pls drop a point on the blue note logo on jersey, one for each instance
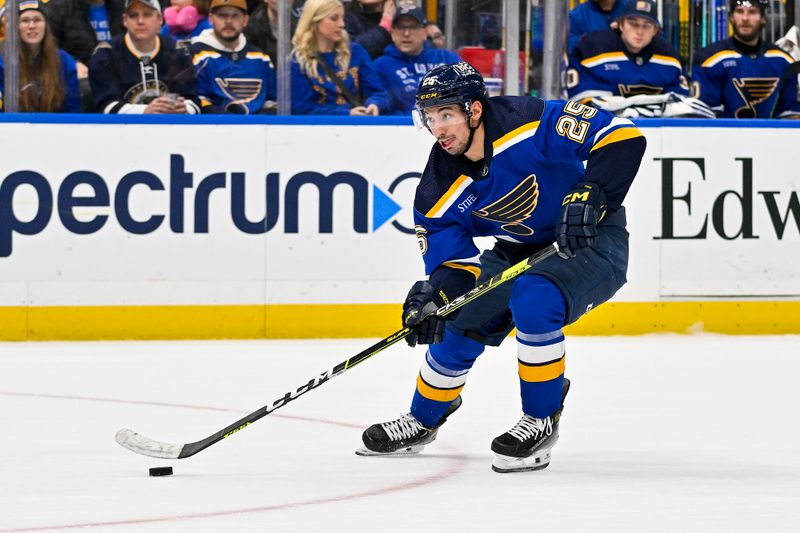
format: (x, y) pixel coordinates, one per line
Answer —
(241, 90)
(634, 89)
(149, 88)
(514, 208)
(753, 91)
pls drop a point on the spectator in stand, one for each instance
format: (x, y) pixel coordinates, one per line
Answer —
(79, 25)
(48, 80)
(233, 76)
(404, 62)
(185, 19)
(331, 75)
(745, 76)
(141, 71)
(435, 35)
(629, 61)
(262, 29)
(369, 23)
(594, 15)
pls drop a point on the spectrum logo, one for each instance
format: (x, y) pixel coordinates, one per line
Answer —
(281, 202)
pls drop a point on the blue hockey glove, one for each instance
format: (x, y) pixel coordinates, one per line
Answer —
(583, 207)
(423, 300)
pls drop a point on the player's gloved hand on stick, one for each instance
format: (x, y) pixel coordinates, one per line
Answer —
(423, 300)
(583, 207)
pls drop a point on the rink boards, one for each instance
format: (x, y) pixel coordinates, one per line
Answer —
(292, 228)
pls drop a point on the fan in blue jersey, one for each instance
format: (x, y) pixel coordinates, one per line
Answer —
(529, 173)
(744, 76)
(591, 16)
(140, 71)
(330, 74)
(629, 61)
(403, 63)
(232, 75)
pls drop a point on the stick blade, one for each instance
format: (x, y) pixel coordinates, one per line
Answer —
(146, 446)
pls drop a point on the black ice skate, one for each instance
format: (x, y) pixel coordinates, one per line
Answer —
(527, 445)
(403, 436)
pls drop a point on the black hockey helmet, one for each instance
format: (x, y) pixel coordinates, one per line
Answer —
(760, 4)
(459, 83)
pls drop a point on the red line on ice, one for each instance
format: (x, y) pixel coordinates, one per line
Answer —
(455, 466)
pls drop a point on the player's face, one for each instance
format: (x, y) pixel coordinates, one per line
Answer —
(637, 32)
(142, 22)
(228, 23)
(747, 22)
(409, 35)
(32, 28)
(330, 30)
(448, 123)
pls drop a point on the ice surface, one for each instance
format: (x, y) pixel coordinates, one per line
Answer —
(660, 433)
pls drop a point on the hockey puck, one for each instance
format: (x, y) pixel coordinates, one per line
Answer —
(161, 471)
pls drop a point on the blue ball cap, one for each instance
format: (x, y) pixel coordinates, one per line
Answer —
(409, 11)
(646, 9)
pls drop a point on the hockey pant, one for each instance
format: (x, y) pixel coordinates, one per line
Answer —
(554, 293)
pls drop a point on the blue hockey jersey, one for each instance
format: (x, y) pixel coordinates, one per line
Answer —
(401, 73)
(69, 76)
(601, 65)
(319, 94)
(588, 17)
(745, 82)
(124, 81)
(535, 153)
(232, 81)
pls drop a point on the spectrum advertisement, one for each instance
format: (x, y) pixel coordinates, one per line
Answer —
(154, 214)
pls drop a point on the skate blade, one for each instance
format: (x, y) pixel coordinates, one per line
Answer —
(505, 464)
(408, 450)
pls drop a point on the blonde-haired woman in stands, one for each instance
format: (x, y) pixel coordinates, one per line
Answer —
(323, 51)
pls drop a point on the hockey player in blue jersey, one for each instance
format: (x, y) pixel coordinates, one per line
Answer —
(511, 168)
(404, 62)
(631, 60)
(744, 76)
(233, 76)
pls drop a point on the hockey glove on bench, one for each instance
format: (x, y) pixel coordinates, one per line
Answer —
(583, 207)
(422, 300)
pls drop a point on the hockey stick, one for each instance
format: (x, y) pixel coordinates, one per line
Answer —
(152, 448)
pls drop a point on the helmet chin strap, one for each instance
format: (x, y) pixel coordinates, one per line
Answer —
(468, 111)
